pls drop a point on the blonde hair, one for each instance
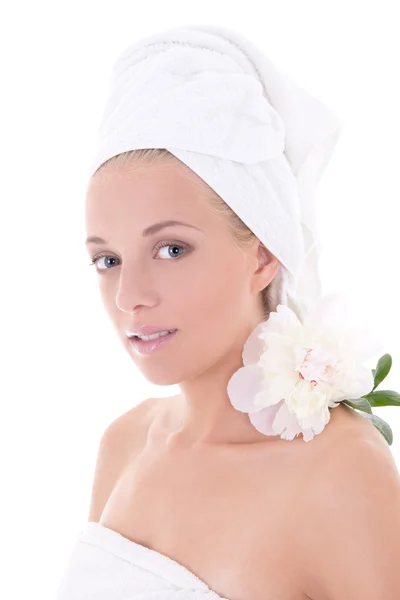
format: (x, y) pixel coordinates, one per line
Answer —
(242, 235)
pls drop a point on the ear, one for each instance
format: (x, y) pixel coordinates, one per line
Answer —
(268, 266)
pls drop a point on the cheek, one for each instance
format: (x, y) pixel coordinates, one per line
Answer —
(212, 293)
(105, 295)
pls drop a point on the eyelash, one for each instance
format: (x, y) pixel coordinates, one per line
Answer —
(160, 245)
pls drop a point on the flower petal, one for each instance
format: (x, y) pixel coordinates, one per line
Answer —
(263, 419)
(253, 346)
(243, 387)
(307, 400)
(274, 389)
(361, 383)
(317, 421)
(283, 322)
(308, 434)
(286, 423)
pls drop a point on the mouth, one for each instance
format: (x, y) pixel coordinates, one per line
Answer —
(149, 346)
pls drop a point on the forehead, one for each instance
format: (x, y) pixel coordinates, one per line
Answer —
(149, 187)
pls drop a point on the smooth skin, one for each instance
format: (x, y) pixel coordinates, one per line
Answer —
(255, 517)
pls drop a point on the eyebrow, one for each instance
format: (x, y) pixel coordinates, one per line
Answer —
(152, 229)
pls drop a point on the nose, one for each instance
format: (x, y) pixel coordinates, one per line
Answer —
(135, 290)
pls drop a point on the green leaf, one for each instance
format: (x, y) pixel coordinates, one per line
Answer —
(382, 369)
(359, 403)
(383, 398)
(381, 425)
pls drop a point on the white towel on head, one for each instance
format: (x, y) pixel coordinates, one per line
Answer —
(218, 103)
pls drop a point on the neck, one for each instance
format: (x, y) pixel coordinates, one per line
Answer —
(205, 413)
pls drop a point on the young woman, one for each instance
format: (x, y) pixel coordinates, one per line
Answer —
(209, 495)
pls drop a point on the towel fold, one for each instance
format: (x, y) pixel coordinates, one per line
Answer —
(215, 100)
(104, 565)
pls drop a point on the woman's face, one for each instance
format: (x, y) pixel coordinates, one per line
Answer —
(199, 283)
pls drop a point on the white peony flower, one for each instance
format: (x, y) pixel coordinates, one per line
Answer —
(295, 372)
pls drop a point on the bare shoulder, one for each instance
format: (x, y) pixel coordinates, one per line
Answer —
(350, 508)
(354, 452)
(345, 427)
(134, 423)
(128, 431)
(349, 448)
(121, 440)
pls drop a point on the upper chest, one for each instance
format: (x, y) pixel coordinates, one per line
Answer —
(226, 516)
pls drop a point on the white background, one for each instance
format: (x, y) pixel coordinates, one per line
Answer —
(64, 373)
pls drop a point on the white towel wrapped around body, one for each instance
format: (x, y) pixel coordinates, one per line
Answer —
(104, 565)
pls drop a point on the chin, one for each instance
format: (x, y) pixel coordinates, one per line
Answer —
(160, 374)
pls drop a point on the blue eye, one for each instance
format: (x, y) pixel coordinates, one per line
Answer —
(170, 245)
(95, 259)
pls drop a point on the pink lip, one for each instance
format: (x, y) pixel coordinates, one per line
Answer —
(147, 347)
(149, 329)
